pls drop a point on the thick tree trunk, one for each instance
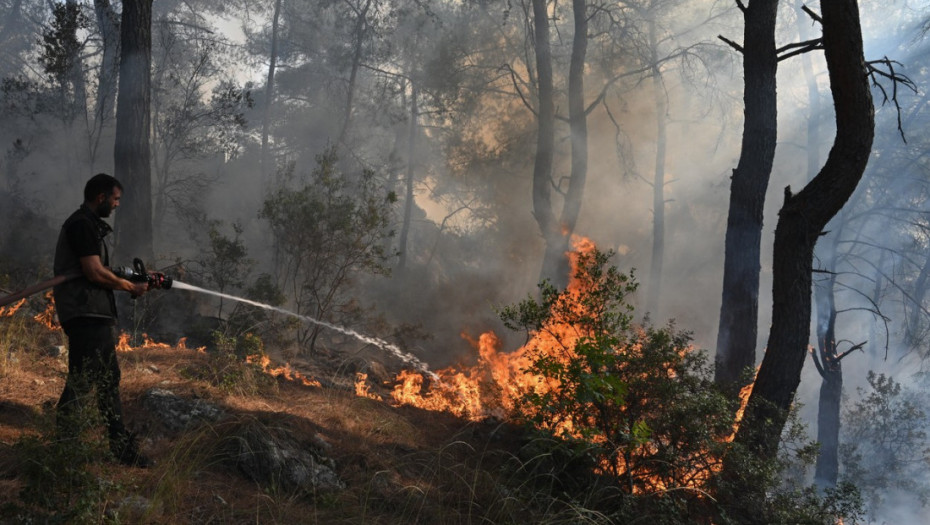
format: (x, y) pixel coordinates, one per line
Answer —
(738, 329)
(545, 136)
(801, 220)
(556, 265)
(132, 154)
(829, 365)
(105, 102)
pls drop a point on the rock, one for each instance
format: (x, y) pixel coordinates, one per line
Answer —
(56, 350)
(273, 458)
(178, 413)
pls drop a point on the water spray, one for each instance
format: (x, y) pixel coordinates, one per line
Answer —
(384, 345)
(158, 280)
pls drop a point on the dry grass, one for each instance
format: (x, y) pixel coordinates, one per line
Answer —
(399, 464)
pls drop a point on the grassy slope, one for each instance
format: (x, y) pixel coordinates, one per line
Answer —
(400, 464)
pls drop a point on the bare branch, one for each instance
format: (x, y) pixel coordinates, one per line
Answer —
(816, 359)
(875, 73)
(812, 14)
(851, 350)
(732, 44)
(800, 48)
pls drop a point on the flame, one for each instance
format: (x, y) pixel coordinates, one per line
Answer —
(361, 387)
(48, 317)
(285, 371)
(744, 394)
(493, 386)
(123, 344)
(8, 311)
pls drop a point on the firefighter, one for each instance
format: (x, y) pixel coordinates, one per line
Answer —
(87, 312)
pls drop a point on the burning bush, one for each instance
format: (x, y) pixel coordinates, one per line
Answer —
(639, 394)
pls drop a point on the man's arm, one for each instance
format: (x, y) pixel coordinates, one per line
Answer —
(97, 273)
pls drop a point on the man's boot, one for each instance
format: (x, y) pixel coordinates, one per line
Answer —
(126, 450)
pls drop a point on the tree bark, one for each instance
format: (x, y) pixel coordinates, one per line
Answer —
(132, 153)
(801, 220)
(545, 135)
(831, 372)
(266, 161)
(555, 263)
(105, 102)
(108, 25)
(739, 309)
(361, 22)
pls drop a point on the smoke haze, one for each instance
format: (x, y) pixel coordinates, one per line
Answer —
(473, 243)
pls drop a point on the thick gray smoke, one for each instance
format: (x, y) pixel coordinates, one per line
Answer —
(472, 240)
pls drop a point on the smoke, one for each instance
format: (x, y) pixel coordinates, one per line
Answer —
(474, 244)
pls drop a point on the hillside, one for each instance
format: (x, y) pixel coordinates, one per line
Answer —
(393, 464)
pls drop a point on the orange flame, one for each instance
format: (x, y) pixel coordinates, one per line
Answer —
(123, 344)
(493, 386)
(8, 311)
(285, 371)
(361, 387)
(744, 394)
(48, 317)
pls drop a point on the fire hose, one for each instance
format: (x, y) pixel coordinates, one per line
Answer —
(135, 273)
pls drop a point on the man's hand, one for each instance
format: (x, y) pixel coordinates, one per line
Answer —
(97, 273)
(138, 288)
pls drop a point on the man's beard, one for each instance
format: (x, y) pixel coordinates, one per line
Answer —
(104, 210)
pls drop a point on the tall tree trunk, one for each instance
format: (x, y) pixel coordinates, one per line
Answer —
(105, 103)
(830, 368)
(801, 221)
(408, 194)
(738, 329)
(266, 161)
(828, 364)
(545, 135)
(359, 39)
(654, 291)
(132, 153)
(556, 265)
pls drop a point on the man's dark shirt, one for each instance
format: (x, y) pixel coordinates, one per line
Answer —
(79, 300)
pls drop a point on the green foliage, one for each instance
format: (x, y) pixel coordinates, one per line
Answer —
(326, 234)
(57, 483)
(60, 44)
(638, 394)
(885, 442)
(226, 265)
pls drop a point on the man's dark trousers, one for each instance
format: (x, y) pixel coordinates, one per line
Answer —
(92, 363)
